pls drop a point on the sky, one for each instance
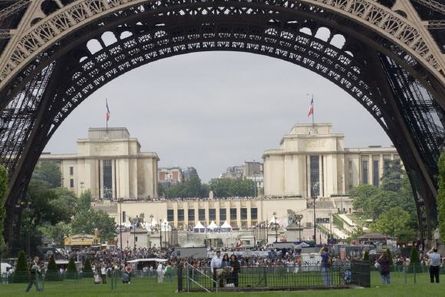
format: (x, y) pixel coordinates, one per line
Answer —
(217, 109)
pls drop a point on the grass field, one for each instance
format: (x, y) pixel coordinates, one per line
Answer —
(149, 287)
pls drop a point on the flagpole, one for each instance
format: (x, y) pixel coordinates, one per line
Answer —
(106, 116)
(313, 112)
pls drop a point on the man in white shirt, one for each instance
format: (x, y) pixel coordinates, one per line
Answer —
(216, 264)
(434, 261)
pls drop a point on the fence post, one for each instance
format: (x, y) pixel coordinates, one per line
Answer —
(180, 278)
(265, 276)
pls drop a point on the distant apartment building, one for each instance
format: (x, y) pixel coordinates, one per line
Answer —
(109, 164)
(189, 172)
(170, 176)
(233, 172)
(251, 170)
(313, 162)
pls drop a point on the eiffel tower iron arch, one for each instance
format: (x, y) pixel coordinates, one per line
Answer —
(401, 94)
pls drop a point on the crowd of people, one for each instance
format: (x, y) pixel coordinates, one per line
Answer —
(223, 264)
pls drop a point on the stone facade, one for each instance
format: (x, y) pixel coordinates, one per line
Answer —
(313, 162)
(110, 164)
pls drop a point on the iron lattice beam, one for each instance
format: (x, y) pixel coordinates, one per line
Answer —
(15, 7)
(35, 104)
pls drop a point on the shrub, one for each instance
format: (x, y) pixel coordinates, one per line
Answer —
(71, 271)
(414, 261)
(51, 272)
(21, 269)
(87, 270)
(366, 256)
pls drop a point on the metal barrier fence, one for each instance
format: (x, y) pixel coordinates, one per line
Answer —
(264, 278)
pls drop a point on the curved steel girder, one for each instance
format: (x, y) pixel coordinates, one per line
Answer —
(126, 54)
(62, 47)
(401, 32)
(253, 11)
(151, 45)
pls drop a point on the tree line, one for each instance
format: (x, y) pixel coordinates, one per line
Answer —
(390, 206)
(221, 188)
(51, 212)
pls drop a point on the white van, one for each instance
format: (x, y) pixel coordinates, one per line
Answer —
(6, 269)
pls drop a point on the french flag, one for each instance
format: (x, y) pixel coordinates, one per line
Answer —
(311, 108)
(108, 113)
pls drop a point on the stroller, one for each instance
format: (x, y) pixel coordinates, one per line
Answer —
(125, 277)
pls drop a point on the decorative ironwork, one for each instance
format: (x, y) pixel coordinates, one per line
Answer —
(368, 13)
(389, 64)
(432, 4)
(13, 8)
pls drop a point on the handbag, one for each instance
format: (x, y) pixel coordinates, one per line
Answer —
(377, 265)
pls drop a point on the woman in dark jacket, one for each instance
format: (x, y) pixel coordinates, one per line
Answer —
(385, 262)
(235, 269)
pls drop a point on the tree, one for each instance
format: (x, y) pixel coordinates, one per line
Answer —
(192, 187)
(88, 220)
(226, 187)
(366, 256)
(51, 272)
(392, 176)
(48, 172)
(3, 189)
(56, 233)
(71, 270)
(361, 196)
(414, 260)
(87, 269)
(441, 196)
(43, 212)
(21, 269)
(84, 202)
(394, 222)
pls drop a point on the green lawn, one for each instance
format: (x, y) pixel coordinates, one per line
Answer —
(149, 287)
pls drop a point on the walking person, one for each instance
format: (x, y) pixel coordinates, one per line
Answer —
(434, 263)
(225, 266)
(34, 273)
(103, 273)
(215, 267)
(235, 269)
(325, 266)
(385, 263)
(160, 271)
(168, 272)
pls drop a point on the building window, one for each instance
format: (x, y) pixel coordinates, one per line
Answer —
(212, 214)
(254, 213)
(124, 216)
(71, 183)
(71, 170)
(233, 215)
(243, 213)
(375, 173)
(222, 214)
(191, 215)
(365, 172)
(315, 175)
(107, 179)
(180, 215)
(202, 214)
(170, 215)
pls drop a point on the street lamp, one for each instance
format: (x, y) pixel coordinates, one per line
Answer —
(314, 196)
(160, 234)
(134, 223)
(119, 201)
